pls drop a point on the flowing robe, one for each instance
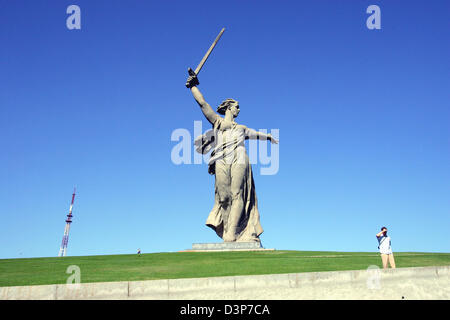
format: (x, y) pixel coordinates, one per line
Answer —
(233, 179)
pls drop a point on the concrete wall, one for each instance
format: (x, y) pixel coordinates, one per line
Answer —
(402, 283)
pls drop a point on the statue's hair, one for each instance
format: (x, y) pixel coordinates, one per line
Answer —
(222, 108)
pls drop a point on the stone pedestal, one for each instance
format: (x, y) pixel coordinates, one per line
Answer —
(227, 246)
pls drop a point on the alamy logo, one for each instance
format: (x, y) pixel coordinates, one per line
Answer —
(74, 279)
(74, 20)
(374, 21)
(258, 150)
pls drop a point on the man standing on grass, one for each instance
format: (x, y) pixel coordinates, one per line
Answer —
(384, 244)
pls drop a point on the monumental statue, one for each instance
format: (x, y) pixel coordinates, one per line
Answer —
(235, 216)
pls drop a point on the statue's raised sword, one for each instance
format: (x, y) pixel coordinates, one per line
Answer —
(200, 65)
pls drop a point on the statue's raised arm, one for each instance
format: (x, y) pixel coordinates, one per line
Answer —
(257, 135)
(192, 83)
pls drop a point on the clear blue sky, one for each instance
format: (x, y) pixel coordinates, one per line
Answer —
(363, 117)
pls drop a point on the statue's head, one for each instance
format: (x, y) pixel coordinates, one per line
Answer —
(231, 105)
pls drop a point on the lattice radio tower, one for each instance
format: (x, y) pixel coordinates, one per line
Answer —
(65, 239)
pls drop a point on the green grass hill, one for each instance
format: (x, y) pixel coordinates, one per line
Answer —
(38, 271)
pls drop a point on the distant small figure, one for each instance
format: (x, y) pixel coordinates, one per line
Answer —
(384, 244)
(139, 252)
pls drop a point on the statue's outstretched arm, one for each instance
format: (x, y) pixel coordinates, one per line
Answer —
(253, 135)
(208, 112)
